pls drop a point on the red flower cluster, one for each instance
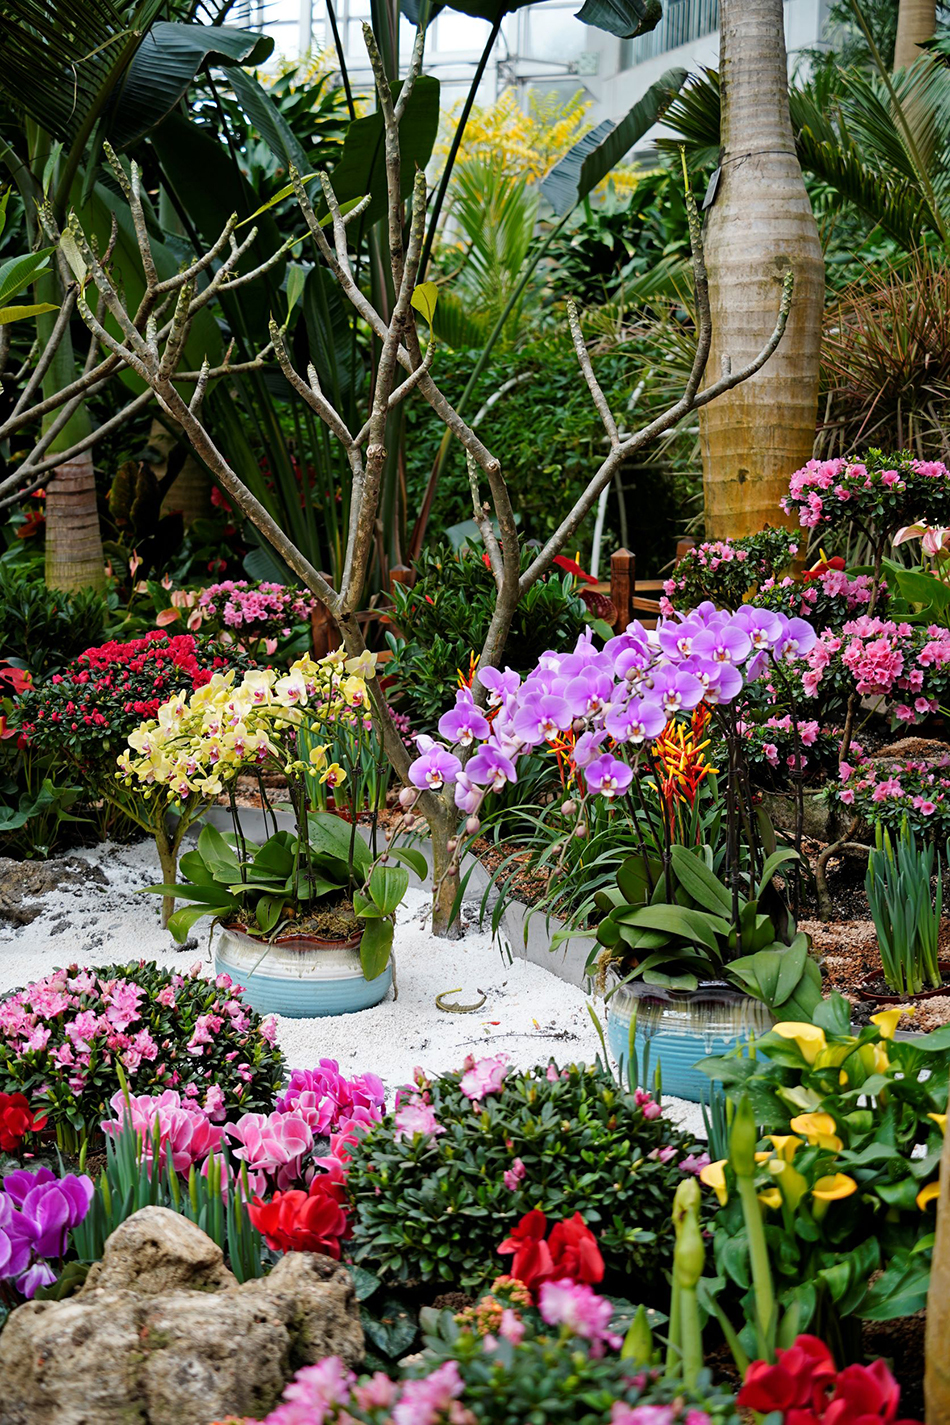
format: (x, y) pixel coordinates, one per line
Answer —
(16, 1120)
(570, 1253)
(107, 691)
(297, 1221)
(806, 1386)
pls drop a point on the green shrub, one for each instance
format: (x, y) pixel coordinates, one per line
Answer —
(43, 629)
(436, 1207)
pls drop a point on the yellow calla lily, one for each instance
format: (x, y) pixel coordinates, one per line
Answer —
(714, 1176)
(810, 1038)
(785, 1145)
(833, 1187)
(771, 1198)
(763, 1157)
(888, 1019)
(928, 1194)
(792, 1183)
(882, 1060)
(819, 1129)
(940, 1119)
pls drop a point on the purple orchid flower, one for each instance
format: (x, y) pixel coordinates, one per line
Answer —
(676, 637)
(468, 797)
(763, 627)
(676, 691)
(587, 694)
(636, 721)
(721, 681)
(491, 768)
(465, 722)
(725, 643)
(500, 686)
(433, 769)
(587, 748)
(798, 638)
(542, 719)
(608, 776)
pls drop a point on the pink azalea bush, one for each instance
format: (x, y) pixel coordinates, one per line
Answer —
(827, 600)
(63, 1039)
(887, 793)
(249, 613)
(724, 570)
(906, 665)
(497, 1361)
(876, 495)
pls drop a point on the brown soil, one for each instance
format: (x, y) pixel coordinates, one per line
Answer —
(334, 922)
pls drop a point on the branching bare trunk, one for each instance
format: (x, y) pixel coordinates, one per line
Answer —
(760, 226)
(153, 352)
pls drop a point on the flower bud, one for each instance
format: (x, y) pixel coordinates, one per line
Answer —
(472, 825)
(407, 797)
(451, 845)
(743, 1139)
(569, 808)
(580, 830)
(638, 1342)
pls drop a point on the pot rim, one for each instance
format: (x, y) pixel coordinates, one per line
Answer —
(303, 943)
(890, 998)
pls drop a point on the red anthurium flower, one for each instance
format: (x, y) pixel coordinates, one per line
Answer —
(575, 1253)
(16, 1120)
(532, 1263)
(822, 567)
(298, 1221)
(572, 567)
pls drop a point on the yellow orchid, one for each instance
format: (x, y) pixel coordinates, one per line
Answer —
(928, 1194)
(714, 1176)
(364, 665)
(819, 1129)
(333, 775)
(833, 1187)
(318, 756)
(810, 1038)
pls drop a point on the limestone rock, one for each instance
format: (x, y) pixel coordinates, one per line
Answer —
(157, 1251)
(162, 1334)
(24, 883)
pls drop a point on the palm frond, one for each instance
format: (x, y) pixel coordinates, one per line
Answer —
(56, 57)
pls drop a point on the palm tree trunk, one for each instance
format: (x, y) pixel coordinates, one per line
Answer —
(916, 22)
(74, 558)
(761, 223)
(190, 492)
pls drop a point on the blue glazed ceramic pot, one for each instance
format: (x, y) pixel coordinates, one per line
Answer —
(299, 977)
(680, 1027)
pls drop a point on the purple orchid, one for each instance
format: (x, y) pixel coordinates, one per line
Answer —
(588, 693)
(676, 691)
(635, 721)
(609, 776)
(500, 686)
(542, 719)
(723, 643)
(491, 768)
(468, 797)
(465, 722)
(433, 769)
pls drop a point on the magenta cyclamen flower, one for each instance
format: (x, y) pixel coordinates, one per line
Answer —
(36, 1212)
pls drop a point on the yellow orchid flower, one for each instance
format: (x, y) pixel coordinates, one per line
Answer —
(833, 1187)
(810, 1038)
(334, 775)
(364, 665)
(819, 1129)
(771, 1198)
(927, 1195)
(714, 1176)
(318, 756)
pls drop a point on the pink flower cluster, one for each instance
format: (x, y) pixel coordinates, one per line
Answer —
(185, 1133)
(889, 793)
(822, 489)
(880, 658)
(274, 1146)
(243, 605)
(322, 1392)
(481, 1077)
(328, 1100)
(830, 597)
(581, 1310)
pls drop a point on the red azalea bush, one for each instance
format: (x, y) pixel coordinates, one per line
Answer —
(17, 1119)
(88, 710)
(570, 1253)
(298, 1221)
(805, 1385)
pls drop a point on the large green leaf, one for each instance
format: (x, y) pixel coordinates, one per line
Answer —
(375, 947)
(362, 167)
(593, 156)
(691, 925)
(268, 121)
(18, 272)
(165, 64)
(387, 886)
(699, 882)
(623, 18)
(332, 836)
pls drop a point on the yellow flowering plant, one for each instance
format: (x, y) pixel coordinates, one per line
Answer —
(848, 1131)
(319, 878)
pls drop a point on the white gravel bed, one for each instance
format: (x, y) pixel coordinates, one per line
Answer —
(529, 1013)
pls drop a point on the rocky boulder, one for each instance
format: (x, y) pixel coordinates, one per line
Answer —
(162, 1334)
(23, 884)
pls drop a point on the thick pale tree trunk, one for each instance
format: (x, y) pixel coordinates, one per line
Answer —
(916, 22)
(759, 226)
(74, 558)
